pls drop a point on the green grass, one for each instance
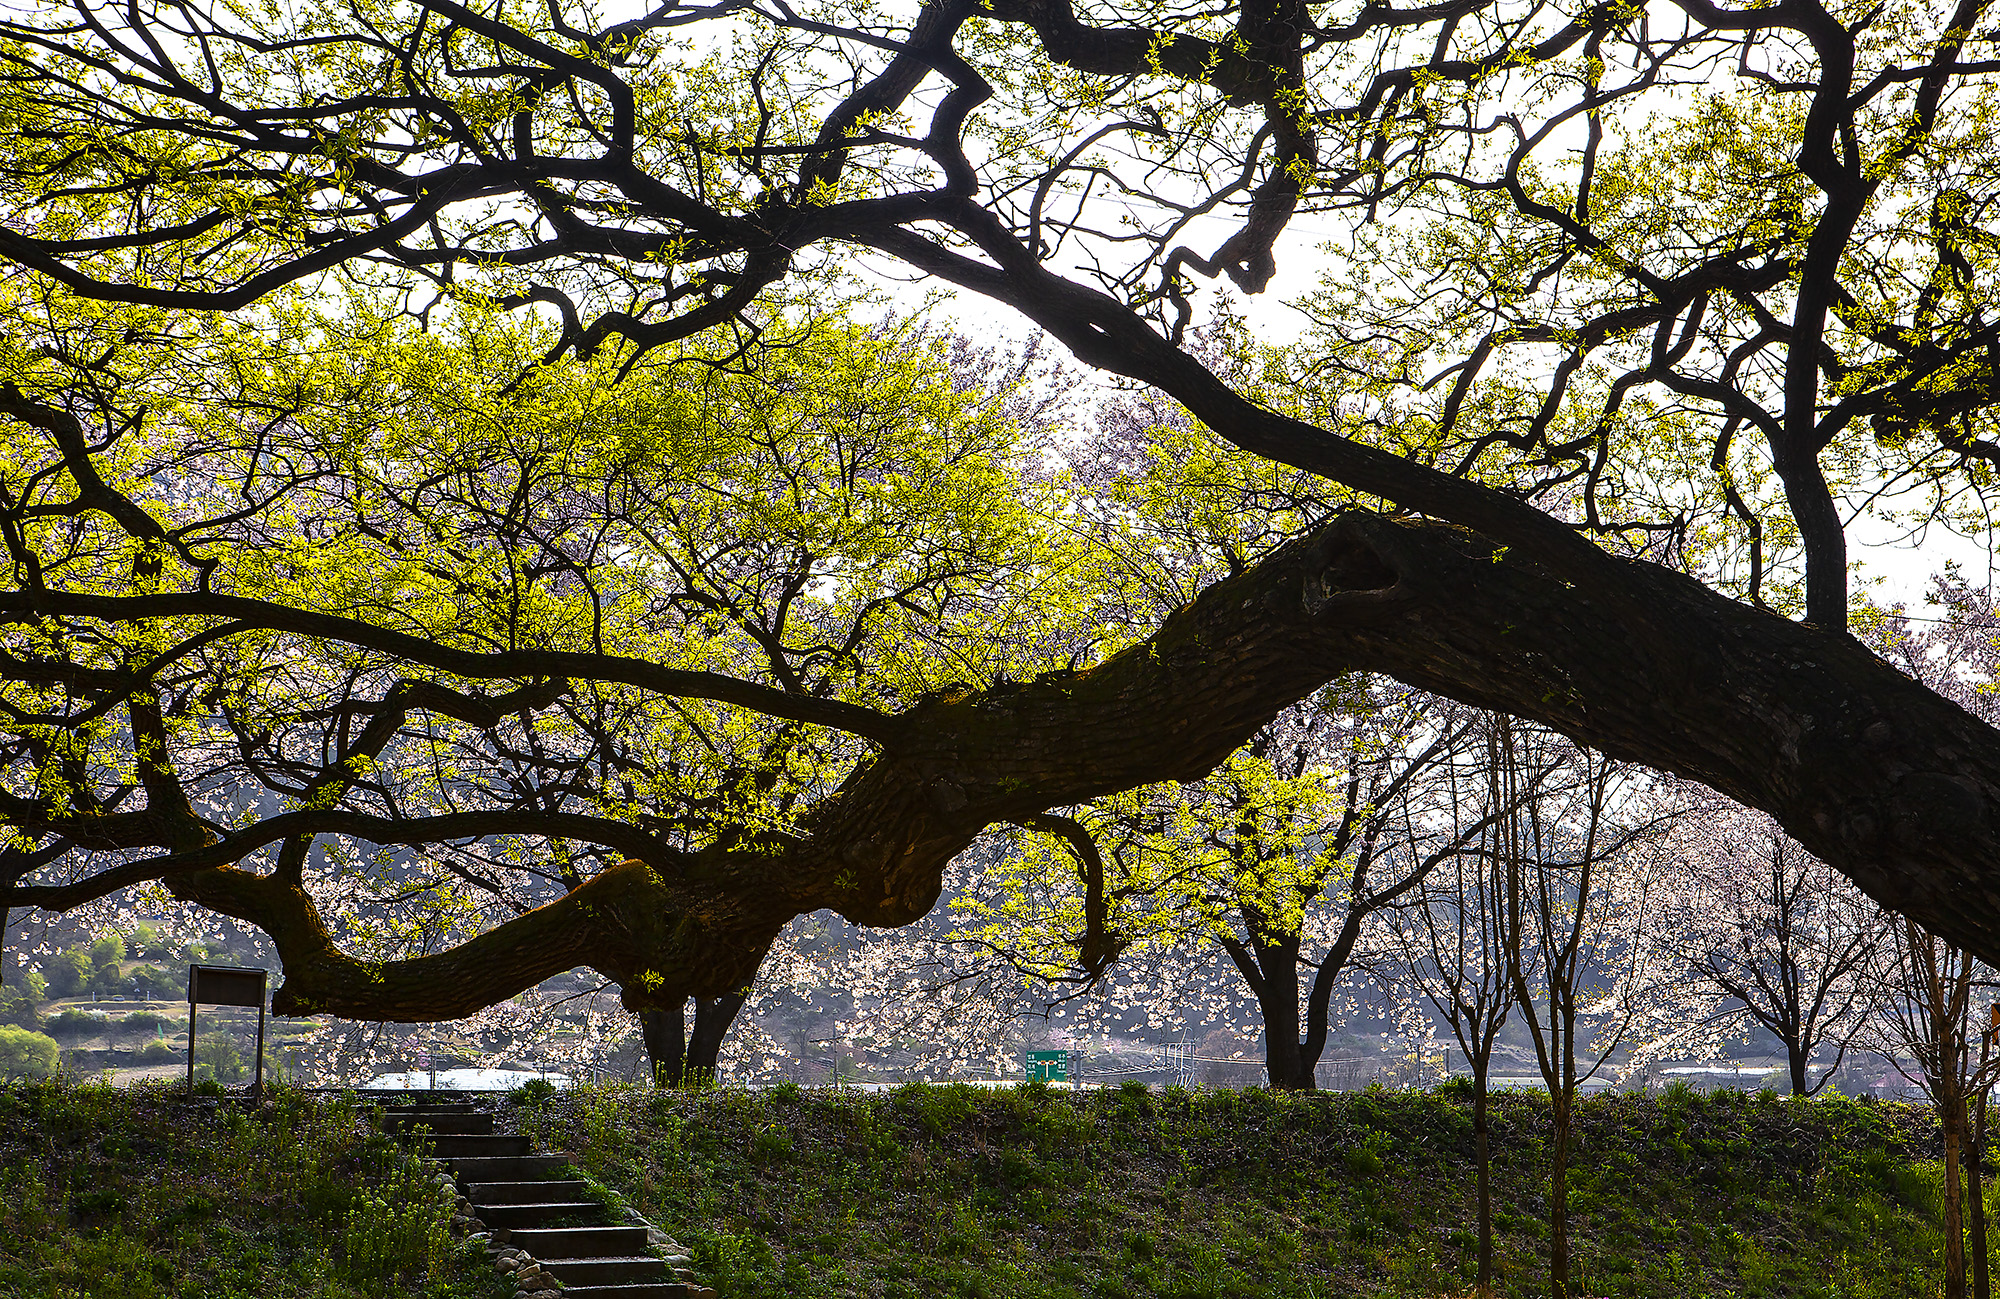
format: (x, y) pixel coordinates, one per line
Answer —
(1035, 1194)
(142, 1194)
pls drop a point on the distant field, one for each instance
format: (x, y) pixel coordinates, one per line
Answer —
(927, 1192)
(136, 1039)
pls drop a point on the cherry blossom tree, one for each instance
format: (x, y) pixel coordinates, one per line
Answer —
(1769, 934)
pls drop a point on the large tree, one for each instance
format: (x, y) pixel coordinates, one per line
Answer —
(1644, 295)
(704, 588)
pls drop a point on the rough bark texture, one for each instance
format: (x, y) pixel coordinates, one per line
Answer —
(1559, 1198)
(1482, 1150)
(874, 851)
(1269, 964)
(1869, 770)
(664, 1032)
(681, 1059)
(1954, 1195)
(1286, 1060)
(1877, 775)
(1975, 1197)
(712, 1018)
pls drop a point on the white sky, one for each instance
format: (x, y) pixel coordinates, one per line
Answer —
(1889, 568)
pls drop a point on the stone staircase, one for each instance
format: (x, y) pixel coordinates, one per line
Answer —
(544, 1230)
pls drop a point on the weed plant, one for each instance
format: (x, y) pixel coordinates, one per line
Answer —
(398, 1229)
(151, 1193)
(1040, 1193)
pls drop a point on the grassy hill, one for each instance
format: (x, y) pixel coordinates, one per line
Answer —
(1024, 1194)
(110, 1193)
(1035, 1194)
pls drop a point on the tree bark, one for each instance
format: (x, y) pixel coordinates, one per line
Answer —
(683, 1059)
(874, 850)
(1954, 1191)
(664, 1031)
(1271, 966)
(1559, 1112)
(1975, 1169)
(1878, 776)
(712, 1018)
(1483, 1154)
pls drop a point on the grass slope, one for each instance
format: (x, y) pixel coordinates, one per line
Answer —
(108, 1193)
(1032, 1194)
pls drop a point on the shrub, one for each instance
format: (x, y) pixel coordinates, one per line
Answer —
(26, 1055)
(737, 1264)
(107, 981)
(142, 1021)
(1364, 1159)
(1135, 1099)
(73, 1024)
(68, 972)
(152, 981)
(155, 1052)
(771, 1145)
(937, 1109)
(108, 950)
(532, 1092)
(144, 941)
(1679, 1097)
(399, 1233)
(220, 1056)
(17, 1008)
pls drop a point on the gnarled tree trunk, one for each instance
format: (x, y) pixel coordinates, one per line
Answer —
(680, 1059)
(1869, 770)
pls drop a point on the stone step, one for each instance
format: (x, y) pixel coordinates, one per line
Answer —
(523, 1192)
(506, 1168)
(516, 1216)
(579, 1242)
(604, 1271)
(637, 1290)
(467, 1121)
(431, 1102)
(476, 1146)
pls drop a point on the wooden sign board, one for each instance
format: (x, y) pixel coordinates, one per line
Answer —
(225, 985)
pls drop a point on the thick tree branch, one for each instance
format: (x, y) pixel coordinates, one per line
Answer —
(19, 606)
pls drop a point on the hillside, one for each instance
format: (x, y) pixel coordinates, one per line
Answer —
(1020, 1194)
(1033, 1194)
(109, 1193)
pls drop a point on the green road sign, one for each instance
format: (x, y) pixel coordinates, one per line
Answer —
(1048, 1066)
